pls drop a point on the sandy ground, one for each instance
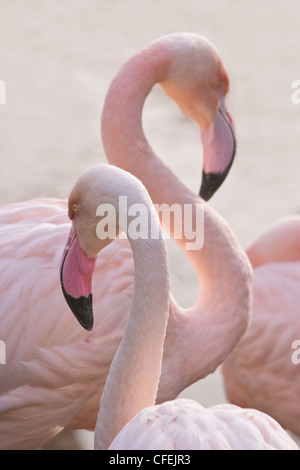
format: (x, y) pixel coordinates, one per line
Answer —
(57, 60)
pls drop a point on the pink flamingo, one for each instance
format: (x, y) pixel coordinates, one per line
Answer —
(128, 417)
(169, 61)
(46, 385)
(260, 372)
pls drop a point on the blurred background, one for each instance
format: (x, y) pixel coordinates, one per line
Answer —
(57, 60)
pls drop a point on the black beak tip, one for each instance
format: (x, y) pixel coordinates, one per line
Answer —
(210, 183)
(82, 308)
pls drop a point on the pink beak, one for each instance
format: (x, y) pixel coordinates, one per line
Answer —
(76, 271)
(219, 146)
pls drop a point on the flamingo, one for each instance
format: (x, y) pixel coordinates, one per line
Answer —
(260, 372)
(128, 417)
(51, 379)
(169, 61)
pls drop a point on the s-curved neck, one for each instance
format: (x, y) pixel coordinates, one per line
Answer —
(124, 141)
(126, 146)
(223, 270)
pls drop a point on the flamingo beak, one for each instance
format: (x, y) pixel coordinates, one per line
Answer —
(219, 146)
(76, 271)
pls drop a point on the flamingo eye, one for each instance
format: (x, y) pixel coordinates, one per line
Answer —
(75, 207)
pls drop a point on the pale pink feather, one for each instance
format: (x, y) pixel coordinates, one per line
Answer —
(53, 367)
(260, 372)
(55, 371)
(184, 424)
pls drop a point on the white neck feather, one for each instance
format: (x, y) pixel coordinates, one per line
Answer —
(134, 374)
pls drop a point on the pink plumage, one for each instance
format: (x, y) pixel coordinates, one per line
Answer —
(45, 382)
(260, 372)
(184, 424)
(128, 417)
(55, 371)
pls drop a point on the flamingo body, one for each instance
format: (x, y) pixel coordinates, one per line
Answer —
(45, 382)
(52, 379)
(184, 424)
(259, 372)
(128, 418)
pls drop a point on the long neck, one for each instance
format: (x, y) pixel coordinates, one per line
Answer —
(134, 374)
(123, 137)
(223, 270)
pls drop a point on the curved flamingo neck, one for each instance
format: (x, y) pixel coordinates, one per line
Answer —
(123, 137)
(133, 378)
(223, 270)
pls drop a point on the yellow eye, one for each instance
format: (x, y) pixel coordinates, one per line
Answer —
(75, 207)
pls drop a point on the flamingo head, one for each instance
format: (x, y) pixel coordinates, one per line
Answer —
(82, 246)
(198, 82)
(94, 209)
